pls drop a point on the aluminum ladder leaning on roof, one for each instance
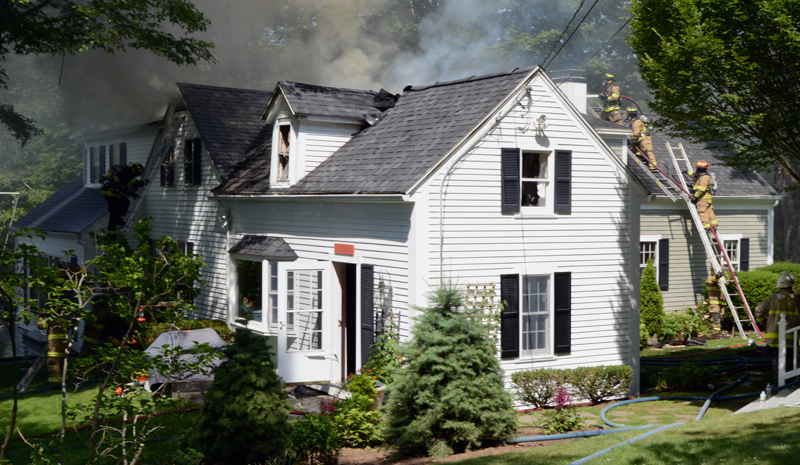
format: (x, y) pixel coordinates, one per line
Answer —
(712, 255)
(166, 144)
(657, 176)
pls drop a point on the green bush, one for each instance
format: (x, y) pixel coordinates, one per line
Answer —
(355, 424)
(652, 303)
(601, 382)
(642, 335)
(563, 418)
(449, 395)
(245, 412)
(384, 358)
(537, 387)
(683, 324)
(314, 439)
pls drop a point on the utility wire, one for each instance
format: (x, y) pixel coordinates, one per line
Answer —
(570, 36)
(563, 32)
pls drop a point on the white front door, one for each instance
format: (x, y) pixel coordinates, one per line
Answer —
(305, 352)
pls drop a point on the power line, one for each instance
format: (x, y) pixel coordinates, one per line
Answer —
(570, 36)
(563, 32)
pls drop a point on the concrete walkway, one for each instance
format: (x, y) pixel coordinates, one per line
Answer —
(788, 397)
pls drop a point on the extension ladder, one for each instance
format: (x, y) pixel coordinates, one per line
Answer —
(657, 176)
(33, 370)
(167, 144)
(713, 256)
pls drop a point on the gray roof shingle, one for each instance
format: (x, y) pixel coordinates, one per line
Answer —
(72, 209)
(273, 248)
(251, 175)
(308, 99)
(227, 119)
(411, 137)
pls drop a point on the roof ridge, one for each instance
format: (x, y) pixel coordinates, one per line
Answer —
(238, 89)
(474, 78)
(341, 89)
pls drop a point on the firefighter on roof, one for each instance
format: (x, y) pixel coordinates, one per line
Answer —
(610, 98)
(702, 196)
(716, 306)
(117, 187)
(639, 137)
(768, 314)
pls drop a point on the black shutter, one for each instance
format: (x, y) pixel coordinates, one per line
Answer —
(563, 203)
(509, 318)
(663, 264)
(744, 254)
(189, 248)
(163, 175)
(509, 180)
(92, 169)
(563, 316)
(367, 312)
(123, 153)
(111, 155)
(102, 156)
(196, 156)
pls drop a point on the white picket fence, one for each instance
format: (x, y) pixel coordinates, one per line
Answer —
(783, 374)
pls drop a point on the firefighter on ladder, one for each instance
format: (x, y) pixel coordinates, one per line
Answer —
(116, 191)
(639, 137)
(768, 314)
(56, 349)
(610, 98)
(716, 306)
(702, 197)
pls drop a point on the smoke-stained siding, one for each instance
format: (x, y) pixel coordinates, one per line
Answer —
(593, 242)
(185, 213)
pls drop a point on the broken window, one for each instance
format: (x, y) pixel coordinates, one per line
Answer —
(534, 181)
(284, 132)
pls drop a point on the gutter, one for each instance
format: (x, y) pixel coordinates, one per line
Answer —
(393, 198)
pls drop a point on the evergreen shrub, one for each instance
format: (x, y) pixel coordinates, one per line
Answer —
(245, 412)
(449, 394)
(600, 383)
(315, 440)
(537, 387)
(652, 303)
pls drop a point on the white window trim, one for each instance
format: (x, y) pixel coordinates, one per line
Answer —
(730, 238)
(548, 209)
(650, 238)
(263, 326)
(548, 352)
(293, 161)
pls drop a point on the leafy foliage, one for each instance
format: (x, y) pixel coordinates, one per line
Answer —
(684, 324)
(601, 383)
(245, 412)
(64, 27)
(315, 439)
(538, 386)
(356, 425)
(385, 357)
(449, 395)
(725, 71)
(563, 418)
(652, 303)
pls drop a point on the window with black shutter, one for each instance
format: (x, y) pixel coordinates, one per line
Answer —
(509, 318)
(367, 312)
(93, 166)
(509, 180)
(563, 180)
(562, 300)
(744, 254)
(168, 169)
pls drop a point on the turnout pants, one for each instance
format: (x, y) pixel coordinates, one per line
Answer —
(706, 212)
(612, 117)
(117, 208)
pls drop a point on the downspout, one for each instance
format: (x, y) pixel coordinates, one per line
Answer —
(226, 225)
(771, 233)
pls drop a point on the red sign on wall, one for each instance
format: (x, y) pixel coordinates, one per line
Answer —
(344, 249)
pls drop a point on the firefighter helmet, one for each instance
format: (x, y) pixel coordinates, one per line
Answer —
(633, 112)
(701, 165)
(137, 168)
(608, 79)
(785, 281)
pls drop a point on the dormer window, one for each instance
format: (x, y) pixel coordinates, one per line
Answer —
(284, 132)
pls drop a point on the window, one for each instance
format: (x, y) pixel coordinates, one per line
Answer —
(738, 250)
(534, 182)
(191, 161)
(284, 135)
(94, 165)
(248, 275)
(304, 306)
(539, 181)
(537, 314)
(168, 169)
(648, 250)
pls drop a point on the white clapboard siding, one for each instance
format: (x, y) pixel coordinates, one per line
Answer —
(593, 242)
(139, 142)
(379, 233)
(185, 213)
(318, 141)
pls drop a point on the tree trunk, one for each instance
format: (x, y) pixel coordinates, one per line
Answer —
(788, 224)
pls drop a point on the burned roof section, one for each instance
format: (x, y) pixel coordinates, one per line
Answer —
(411, 137)
(309, 99)
(72, 209)
(227, 119)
